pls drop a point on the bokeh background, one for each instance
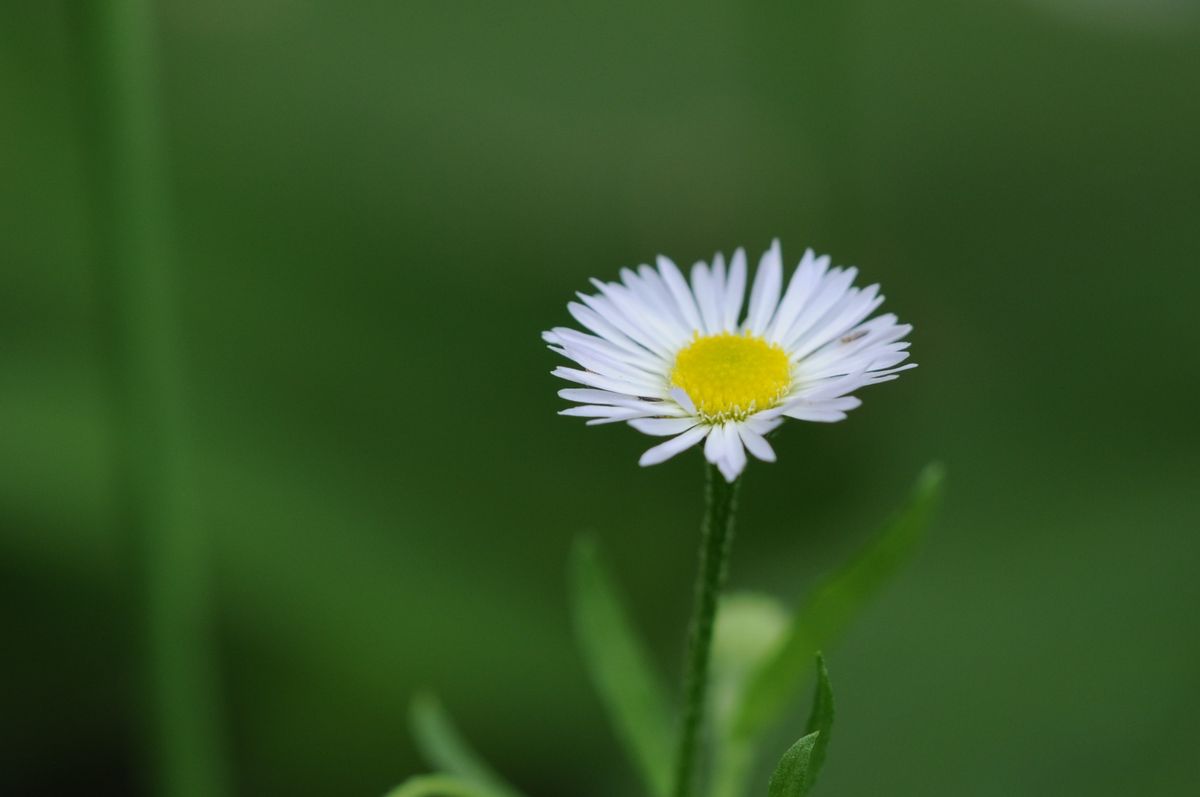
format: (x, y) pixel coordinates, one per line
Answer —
(376, 208)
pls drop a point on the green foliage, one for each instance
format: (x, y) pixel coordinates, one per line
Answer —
(800, 765)
(446, 750)
(820, 719)
(791, 778)
(440, 786)
(834, 603)
(620, 669)
(768, 676)
(759, 655)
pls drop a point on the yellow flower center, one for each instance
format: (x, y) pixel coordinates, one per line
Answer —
(730, 376)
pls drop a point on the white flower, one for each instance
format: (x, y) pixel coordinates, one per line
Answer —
(679, 360)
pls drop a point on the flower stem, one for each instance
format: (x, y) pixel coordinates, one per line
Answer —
(716, 540)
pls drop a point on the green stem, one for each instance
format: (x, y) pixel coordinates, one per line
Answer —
(125, 142)
(715, 543)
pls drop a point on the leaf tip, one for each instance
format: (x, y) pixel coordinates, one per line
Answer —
(930, 481)
(582, 562)
(583, 547)
(423, 710)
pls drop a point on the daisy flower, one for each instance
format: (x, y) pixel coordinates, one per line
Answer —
(681, 359)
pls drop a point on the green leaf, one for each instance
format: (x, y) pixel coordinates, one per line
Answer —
(800, 765)
(444, 748)
(820, 720)
(439, 786)
(791, 776)
(620, 669)
(834, 603)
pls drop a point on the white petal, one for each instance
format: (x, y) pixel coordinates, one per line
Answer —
(887, 376)
(648, 287)
(707, 298)
(630, 327)
(845, 403)
(683, 399)
(658, 331)
(663, 427)
(764, 296)
(833, 387)
(645, 361)
(800, 290)
(821, 416)
(734, 461)
(584, 395)
(842, 404)
(681, 292)
(639, 382)
(756, 443)
(887, 360)
(604, 382)
(762, 423)
(606, 329)
(604, 398)
(718, 278)
(594, 358)
(714, 446)
(656, 312)
(664, 451)
(880, 331)
(652, 409)
(650, 284)
(832, 288)
(735, 290)
(597, 411)
(627, 416)
(839, 320)
(875, 359)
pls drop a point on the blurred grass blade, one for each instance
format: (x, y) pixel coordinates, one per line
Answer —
(834, 603)
(128, 170)
(621, 670)
(444, 748)
(791, 778)
(439, 786)
(800, 765)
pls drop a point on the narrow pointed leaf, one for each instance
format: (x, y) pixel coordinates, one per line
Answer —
(834, 603)
(791, 778)
(620, 669)
(445, 749)
(820, 720)
(800, 765)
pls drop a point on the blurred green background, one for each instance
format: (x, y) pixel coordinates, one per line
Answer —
(379, 205)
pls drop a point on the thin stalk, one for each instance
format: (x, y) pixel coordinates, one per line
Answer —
(716, 540)
(126, 158)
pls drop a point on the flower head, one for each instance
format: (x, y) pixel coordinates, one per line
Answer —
(681, 360)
